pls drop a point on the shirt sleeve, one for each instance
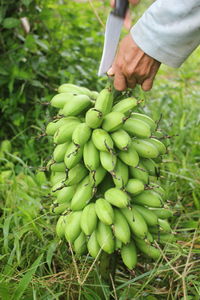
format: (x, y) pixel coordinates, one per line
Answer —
(169, 30)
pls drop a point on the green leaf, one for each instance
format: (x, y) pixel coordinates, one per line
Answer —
(10, 23)
(37, 83)
(24, 282)
(50, 252)
(26, 2)
(196, 200)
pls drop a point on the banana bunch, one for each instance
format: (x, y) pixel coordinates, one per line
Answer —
(103, 175)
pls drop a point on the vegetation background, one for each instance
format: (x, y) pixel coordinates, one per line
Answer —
(64, 44)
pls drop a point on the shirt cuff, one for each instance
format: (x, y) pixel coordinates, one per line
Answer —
(152, 48)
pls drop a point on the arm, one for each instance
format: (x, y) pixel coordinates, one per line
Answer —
(168, 32)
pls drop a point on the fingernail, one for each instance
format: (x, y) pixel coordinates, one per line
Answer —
(110, 72)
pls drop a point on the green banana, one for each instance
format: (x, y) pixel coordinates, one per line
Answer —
(147, 249)
(125, 105)
(83, 195)
(58, 177)
(104, 211)
(164, 238)
(148, 198)
(93, 118)
(149, 237)
(58, 167)
(134, 186)
(94, 94)
(76, 174)
(73, 155)
(150, 218)
(93, 245)
(138, 128)
(155, 229)
(91, 156)
(89, 219)
(150, 166)
(97, 176)
(120, 227)
(121, 139)
(144, 118)
(113, 121)
(145, 149)
(80, 244)
(105, 237)
(81, 134)
(161, 136)
(158, 189)
(59, 152)
(108, 161)
(159, 145)
(140, 173)
(120, 174)
(72, 226)
(60, 112)
(129, 157)
(58, 209)
(52, 127)
(104, 101)
(65, 195)
(72, 88)
(112, 148)
(60, 100)
(60, 227)
(118, 244)
(164, 225)
(102, 140)
(136, 222)
(129, 255)
(76, 105)
(64, 133)
(163, 213)
(117, 197)
(57, 187)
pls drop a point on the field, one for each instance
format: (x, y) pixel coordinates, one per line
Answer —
(34, 264)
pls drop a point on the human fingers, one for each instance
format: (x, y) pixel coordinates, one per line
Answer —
(131, 82)
(111, 72)
(134, 2)
(119, 81)
(127, 20)
(147, 84)
(112, 3)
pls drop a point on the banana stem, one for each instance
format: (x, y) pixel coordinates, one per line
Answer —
(107, 269)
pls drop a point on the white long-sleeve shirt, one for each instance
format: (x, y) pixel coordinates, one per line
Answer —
(169, 30)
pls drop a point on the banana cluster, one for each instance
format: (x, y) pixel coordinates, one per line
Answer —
(104, 159)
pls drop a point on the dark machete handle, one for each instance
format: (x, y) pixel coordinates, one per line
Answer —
(121, 7)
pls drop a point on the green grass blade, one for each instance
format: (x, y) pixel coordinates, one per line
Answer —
(24, 282)
(4, 291)
(51, 249)
(6, 228)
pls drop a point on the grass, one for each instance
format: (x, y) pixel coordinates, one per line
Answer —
(35, 265)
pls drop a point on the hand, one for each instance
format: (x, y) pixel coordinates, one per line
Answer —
(127, 20)
(132, 66)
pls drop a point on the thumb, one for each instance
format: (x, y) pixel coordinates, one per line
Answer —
(111, 72)
(112, 3)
